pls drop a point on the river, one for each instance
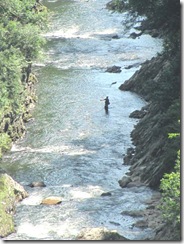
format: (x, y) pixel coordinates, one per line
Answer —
(72, 144)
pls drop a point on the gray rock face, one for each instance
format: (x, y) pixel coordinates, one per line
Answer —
(149, 160)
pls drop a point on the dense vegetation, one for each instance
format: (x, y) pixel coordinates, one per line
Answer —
(21, 22)
(164, 97)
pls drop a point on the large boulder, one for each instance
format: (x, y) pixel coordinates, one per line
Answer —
(124, 181)
(10, 193)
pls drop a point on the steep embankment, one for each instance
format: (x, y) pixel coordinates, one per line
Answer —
(154, 153)
(13, 124)
(21, 25)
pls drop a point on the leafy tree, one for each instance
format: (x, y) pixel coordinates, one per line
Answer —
(21, 23)
(11, 62)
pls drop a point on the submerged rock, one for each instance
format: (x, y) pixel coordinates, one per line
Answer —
(133, 213)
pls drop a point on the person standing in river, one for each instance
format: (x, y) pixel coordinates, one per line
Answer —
(106, 104)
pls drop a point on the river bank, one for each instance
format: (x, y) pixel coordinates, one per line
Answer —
(149, 158)
(154, 153)
(17, 91)
(11, 191)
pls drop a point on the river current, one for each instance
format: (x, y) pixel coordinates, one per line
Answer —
(72, 144)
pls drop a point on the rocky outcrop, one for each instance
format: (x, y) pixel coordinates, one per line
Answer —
(139, 114)
(101, 234)
(149, 160)
(149, 73)
(153, 154)
(10, 193)
(147, 27)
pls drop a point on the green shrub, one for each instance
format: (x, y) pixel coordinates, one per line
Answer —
(5, 143)
(170, 187)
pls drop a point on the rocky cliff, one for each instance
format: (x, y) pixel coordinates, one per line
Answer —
(154, 153)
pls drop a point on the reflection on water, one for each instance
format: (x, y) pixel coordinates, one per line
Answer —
(73, 144)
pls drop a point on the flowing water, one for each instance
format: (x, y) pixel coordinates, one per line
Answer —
(72, 144)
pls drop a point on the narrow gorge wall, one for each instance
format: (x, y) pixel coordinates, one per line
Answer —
(154, 153)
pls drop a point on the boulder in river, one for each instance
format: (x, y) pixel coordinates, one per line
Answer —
(138, 114)
(113, 69)
(51, 200)
(37, 184)
(135, 35)
(101, 234)
(124, 181)
(105, 194)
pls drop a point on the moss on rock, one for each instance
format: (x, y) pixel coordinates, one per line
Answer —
(10, 193)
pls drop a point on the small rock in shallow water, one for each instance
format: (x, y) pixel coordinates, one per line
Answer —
(51, 200)
(37, 184)
(106, 194)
